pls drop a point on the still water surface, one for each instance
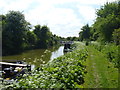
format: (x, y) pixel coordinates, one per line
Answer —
(37, 57)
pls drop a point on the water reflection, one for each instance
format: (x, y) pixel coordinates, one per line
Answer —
(57, 53)
(36, 57)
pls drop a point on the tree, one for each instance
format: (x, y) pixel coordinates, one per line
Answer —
(107, 9)
(31, 39)
(37, 32)
(14, 32)
(17, 35)
(68, 38)
(44, 36)
(108, 19)
(85, 33)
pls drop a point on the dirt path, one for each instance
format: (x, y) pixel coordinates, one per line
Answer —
(101, 74)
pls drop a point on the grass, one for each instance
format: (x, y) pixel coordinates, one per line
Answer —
(69, 70)
(101, 72)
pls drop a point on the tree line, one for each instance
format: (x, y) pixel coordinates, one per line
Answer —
(18, 35)
(106, 27)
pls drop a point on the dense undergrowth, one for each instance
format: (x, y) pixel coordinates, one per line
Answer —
(64, 72)
(111, 51)
(69, 70)
(102, 68)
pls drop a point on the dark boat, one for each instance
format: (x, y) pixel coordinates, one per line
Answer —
(13, 70)
(67, 47)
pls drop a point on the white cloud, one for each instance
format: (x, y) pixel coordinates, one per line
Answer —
(61, 20)
(94, 2)
(87, 12)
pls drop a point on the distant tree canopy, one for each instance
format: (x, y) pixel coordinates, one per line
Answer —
(85, 33)
(105, 25)
(72, 38)
(18, 36)
(45, 37)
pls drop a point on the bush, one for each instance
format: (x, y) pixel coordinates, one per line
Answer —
(64, 72)
(111, 52)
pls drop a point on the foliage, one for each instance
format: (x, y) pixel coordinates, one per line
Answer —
(111, 52)
(69, 71)
(72, 38)
(116, 36)
(63, 72)
(31, 39)
(13, 33)
(100, 66)
(45, 38)
(17, 34)
(107, 20)
(105, 25)
(85, 33)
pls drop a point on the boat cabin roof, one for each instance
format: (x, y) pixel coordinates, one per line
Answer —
(13, 64)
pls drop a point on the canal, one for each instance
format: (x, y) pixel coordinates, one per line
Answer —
(36, 57)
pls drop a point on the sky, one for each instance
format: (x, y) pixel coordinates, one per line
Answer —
(64, 17)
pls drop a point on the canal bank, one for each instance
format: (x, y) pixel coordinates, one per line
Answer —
(66, 71)
(85, 67)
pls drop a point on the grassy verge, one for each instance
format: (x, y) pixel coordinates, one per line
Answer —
(101, 72)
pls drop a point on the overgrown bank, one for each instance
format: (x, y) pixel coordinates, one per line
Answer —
(86, 67)
(64, 72)
(102, 66)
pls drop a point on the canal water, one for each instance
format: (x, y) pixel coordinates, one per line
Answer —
(36, 57)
